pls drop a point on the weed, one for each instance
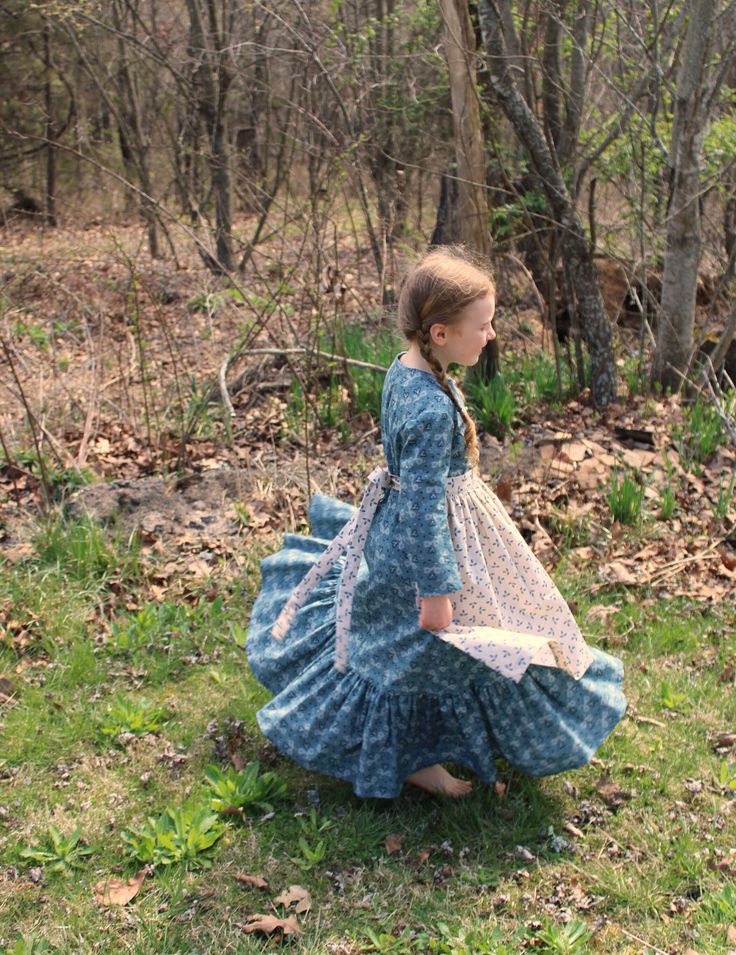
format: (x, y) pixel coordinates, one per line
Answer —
(245, 791)
(568, 939)
(61, 853)
(133, 716)
(310, 855)
(186, 835)
(726, 777)
(29, 945)
(670, 698)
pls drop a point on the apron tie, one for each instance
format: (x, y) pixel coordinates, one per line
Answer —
(350, 541)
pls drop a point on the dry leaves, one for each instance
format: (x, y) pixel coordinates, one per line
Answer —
(254, 880)
(295, 894)
(393, 842)
(117, 892)
(269, 925)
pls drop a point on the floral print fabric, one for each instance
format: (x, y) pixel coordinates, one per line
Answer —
(410, 697)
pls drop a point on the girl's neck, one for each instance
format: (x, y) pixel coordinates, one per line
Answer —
(413, 358)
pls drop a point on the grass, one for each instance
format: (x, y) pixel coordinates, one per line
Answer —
(641, 873)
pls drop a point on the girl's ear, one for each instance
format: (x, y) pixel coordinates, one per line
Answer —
(438, 333)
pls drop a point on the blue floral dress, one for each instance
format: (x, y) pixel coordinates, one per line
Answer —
(361, 691)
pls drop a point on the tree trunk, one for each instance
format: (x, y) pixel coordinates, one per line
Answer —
(581, 268)
(683, 245)
(471, 183)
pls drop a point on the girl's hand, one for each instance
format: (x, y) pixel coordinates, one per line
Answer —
(435, 612)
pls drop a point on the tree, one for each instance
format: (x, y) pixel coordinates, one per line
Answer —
(579, 254)
(698, 85)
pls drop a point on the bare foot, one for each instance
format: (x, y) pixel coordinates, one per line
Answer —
(436, 779)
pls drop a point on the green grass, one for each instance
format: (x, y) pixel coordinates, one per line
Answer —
(639, 871)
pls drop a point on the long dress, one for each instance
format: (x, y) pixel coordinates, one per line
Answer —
(362, 692)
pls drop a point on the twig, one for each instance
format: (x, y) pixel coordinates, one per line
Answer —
(660, 951)
(223, 385)
(45, 483)
(675, 565)
(311, 351)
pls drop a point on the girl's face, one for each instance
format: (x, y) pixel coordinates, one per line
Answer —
(470, 333)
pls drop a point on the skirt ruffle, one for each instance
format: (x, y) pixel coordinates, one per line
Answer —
(343, 725)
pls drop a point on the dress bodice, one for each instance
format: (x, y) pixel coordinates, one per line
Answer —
(409, 394)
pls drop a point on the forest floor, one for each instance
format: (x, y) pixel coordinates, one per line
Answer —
(123, 677)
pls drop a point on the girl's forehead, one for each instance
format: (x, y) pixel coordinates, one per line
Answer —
(480, 310)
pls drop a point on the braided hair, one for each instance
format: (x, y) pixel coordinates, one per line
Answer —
(436, 289)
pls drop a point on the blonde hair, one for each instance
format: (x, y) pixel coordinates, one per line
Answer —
(436, 289)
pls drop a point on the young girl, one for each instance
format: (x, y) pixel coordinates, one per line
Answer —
(421, 628)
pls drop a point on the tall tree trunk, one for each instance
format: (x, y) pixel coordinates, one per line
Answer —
(49, 131)
(582, 272)
(683, 246)
(214, 80)
(472, 202)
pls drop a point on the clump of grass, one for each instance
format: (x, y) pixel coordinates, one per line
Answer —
(494, 405)
(625, 497)
(700, 435)
(79, 549)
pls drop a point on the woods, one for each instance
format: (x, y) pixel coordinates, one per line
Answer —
(201, 113)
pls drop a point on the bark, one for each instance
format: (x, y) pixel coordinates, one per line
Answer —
(460, 53)
(683, 245)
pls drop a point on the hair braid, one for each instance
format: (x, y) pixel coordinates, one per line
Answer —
(471, 435)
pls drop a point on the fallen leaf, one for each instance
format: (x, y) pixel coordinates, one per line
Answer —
(393, 842)
(255, 880)
(424, 854)
(268, 924)
(117, 892)
(611, 792)
(295, 893)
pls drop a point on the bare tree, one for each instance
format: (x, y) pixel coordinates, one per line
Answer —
(583, 276)
(698, 85)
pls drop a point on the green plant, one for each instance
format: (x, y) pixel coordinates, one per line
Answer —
(61, 853)
(726, 777)
(667, 503)
(725, 498)
(385, 944)
(625, 498)
(568, 939)
(313, 824)
(133, 716)
(574, 531)
(700, 434)
(245, 791)
(670, 698)
(721, 905)
(310, 855)
(494, 405)
(80, 550)
(186, 835)
(211, 302)
(29, 945)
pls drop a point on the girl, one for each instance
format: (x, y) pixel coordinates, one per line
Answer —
(421, 628)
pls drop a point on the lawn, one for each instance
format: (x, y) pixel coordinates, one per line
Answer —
(117, 706)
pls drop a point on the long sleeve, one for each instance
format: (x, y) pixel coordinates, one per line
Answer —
(424, 464)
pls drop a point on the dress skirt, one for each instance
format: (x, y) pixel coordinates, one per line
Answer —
(511, 677)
